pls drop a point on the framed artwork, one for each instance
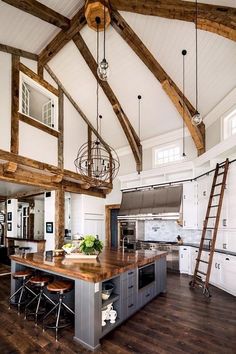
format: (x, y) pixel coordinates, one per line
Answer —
(9, 216)
(9, 226)
(49, 227)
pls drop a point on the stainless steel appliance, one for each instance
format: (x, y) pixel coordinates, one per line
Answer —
(146, 275)
(171, 248)
(127, 234)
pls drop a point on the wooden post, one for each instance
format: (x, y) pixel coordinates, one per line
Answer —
(59, 218)
(61, 130)
(15, 80)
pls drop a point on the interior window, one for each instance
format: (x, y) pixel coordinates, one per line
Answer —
(229, 124)
(166, 155)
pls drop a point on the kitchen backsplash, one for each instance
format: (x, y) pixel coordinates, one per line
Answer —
(168, 230)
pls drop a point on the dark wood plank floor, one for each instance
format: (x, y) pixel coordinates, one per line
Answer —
(179, 322)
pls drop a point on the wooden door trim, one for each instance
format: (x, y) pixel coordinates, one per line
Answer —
(108, 209)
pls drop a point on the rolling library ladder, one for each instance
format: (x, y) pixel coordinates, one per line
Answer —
(201, 278)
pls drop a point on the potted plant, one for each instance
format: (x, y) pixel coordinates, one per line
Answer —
(90, 245)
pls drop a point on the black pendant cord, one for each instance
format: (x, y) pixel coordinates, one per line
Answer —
(184, 52)
(139, 116)
(104, 30)
(97, 21)
(196, 51)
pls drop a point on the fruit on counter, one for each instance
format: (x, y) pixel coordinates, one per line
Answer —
(68, 245)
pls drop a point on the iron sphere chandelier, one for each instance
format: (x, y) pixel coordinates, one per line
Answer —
(97, 159)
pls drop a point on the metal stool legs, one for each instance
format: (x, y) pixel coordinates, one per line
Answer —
(21, 290)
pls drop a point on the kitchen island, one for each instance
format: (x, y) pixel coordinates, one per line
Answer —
(137, 277)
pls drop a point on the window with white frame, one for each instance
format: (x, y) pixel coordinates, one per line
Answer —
(229, 123)
(166, 154)
(37, 102)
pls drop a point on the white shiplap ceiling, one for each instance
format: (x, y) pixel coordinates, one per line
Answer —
(129, 76)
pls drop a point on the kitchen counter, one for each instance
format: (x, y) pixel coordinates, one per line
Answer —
(25, 239)
(196, 245)
(132, 288)
(108, 264)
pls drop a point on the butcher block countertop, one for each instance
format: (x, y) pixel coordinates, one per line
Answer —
(110, 262)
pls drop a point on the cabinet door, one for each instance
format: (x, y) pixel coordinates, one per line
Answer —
(231, 192)
(216, 270)
(229, 274)
(203, 193)
(193, 255)
(231, 241)
(189, 205)
(184, 259)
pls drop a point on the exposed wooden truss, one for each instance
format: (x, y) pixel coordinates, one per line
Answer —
(15, 82)
(217, 19)
(16, 51)
(132, 137)
(41, 11)
(62, 38)
(172, 90)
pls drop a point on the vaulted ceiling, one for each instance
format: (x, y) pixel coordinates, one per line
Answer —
(164, 38)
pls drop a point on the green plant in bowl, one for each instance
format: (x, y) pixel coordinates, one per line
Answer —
(90, 245)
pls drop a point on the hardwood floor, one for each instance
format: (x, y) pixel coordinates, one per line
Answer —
(181, 321)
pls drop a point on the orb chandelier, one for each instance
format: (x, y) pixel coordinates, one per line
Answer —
(197, 118)
(95, 159)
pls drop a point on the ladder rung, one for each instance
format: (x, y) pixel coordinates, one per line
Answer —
(211, 217)
(222, 164)
(210, 228)
(199, 271)
(218, 184)
(216, 195)
(219, 174)
(200, 260)
(214, 206)
(207, 239)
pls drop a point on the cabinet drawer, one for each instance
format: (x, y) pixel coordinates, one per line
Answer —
(131, 282)
(131, 304)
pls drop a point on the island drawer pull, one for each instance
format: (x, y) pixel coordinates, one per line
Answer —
(130, 287)
(131, 305)
(147, 295)
(227, 259)
(130, 273)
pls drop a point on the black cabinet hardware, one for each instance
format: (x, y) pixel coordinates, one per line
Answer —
(131, 305)
(130, 287)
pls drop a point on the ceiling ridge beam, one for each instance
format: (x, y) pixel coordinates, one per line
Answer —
(16, 51)
(41, 11)
(62, 38)
(76, 106)
(220, 20)
(132, 138)
(172, 90)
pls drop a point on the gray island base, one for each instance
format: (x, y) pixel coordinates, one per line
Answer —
(126, 298)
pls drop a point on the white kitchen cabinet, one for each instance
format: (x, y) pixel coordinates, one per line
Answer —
(203, 193)
(190, 205)
(184, 259)
(216, 270)
(231, 241)
(193, 256)
(222, 240)
(231, 197)
(228, 275)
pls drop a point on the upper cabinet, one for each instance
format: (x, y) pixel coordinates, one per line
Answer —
(190, 205)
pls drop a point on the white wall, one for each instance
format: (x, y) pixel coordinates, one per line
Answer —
(12, 207)
(39, 219)
(5, 101)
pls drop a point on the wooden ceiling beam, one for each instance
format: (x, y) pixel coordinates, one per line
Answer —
(62, 38)
(76, 106)
(16, 51)
(131, 136)
(172, 90)
(217, 19)
(41, 11)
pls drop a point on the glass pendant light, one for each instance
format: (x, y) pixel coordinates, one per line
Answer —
(197, 118)
(103, 70)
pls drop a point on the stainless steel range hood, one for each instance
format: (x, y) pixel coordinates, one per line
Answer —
(162, 202)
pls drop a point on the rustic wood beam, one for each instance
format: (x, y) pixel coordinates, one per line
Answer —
(123, 119)
(40, 69)
(62, 38)
(70, 175)
(172, 90)
(10, 167)
(73, 187)
(89, 150)
(217, 19)
(28, 194)
(38, 79)
(76, 106)
(60, 143)
(41, 11)
(37, 124)
(196, 132)
(59, 218)
(15, 81)
(16, 51)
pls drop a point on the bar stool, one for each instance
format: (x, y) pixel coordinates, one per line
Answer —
(23, 289)
(60, 288)
(38, 282)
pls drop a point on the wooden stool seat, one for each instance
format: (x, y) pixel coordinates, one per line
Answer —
(60, 286)
(39, 281)
(22, 274)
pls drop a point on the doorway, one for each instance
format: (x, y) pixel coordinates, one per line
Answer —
(112, 225)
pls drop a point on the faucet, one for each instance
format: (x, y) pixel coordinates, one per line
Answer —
(123, 242)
